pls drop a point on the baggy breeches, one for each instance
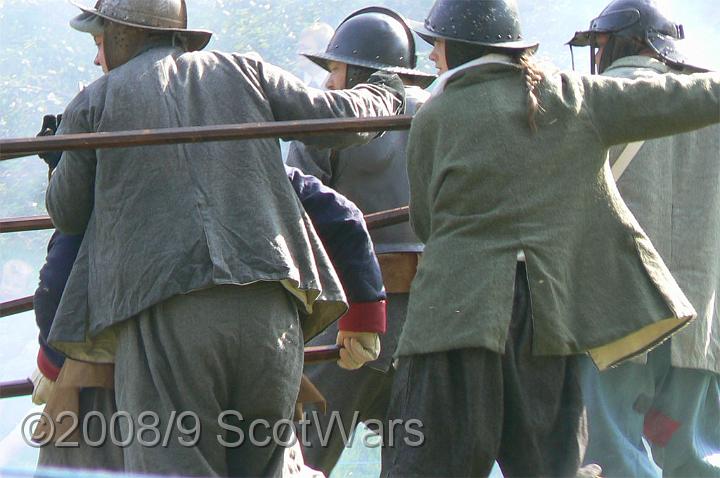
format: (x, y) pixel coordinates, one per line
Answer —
(477, 406)
(235, 349)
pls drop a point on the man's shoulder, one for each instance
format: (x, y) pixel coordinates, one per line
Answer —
(77, 112)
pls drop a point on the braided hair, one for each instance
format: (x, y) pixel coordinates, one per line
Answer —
(459, 53)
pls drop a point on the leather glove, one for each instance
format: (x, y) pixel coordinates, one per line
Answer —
(391, 83)
(358, 348)
(42, 387)
(49, 127)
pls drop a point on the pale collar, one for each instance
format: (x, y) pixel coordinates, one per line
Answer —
(492, 58)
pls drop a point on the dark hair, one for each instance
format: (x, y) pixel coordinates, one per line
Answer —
(618, 47)
(458, 53)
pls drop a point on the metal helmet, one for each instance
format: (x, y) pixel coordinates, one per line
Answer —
(376, 38)
(492, 23)
(153, 15)
(641, 20)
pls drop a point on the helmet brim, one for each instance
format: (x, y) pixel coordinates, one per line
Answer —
(87, 23)
(429, 36)
(673, 53)
(322, 59)
(581, 39)
(196, 39)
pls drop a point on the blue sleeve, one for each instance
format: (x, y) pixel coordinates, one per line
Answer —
(341, 228)
(62, 251)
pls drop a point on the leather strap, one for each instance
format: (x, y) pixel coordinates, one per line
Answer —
(625, 158)
(398, 270)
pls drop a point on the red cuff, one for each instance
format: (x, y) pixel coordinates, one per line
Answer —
(49, 369)
(365, 317)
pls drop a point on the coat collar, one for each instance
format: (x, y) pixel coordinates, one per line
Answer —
(491, 59)
(639, 61)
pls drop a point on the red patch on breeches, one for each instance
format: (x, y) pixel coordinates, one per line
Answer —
(659, 428)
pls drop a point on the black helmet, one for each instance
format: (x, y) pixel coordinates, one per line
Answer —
(376, 38)
(642, 20)
(493, 23)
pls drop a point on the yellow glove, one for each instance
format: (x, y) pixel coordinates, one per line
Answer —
(358, 348)
(42, 388)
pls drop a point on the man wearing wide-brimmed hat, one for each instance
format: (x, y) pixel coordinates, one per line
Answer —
(199, 275)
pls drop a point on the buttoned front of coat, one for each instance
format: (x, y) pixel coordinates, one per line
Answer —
(484, 186)
(672, 186)
(166, 220)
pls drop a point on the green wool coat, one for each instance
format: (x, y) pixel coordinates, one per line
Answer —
(672, 187)
(166, 220)
(484, 187)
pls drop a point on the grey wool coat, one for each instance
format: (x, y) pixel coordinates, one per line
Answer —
(483, 187)
(166, 220)
(672, 186)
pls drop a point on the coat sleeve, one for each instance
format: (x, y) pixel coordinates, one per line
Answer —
(420, 158)
(290, 99)
(69, 197)
(624, 110)
(61, 253)
(341, 228)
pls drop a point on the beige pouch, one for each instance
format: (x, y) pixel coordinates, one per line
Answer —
(63, 406)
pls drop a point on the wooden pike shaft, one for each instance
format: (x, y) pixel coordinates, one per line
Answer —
(12, 148)
(23, 224)
(20, 224)
(16, 306)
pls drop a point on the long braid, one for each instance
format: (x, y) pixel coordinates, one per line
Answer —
(458, 53)
(533, 77)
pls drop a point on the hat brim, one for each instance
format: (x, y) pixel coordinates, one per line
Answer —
(87, 23)
(196, 39)
(322, 59)
(430, 36)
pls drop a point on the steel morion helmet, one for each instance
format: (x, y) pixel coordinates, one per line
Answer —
(375, 38)
(492, 23)
(640, 20)
(152, 15)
